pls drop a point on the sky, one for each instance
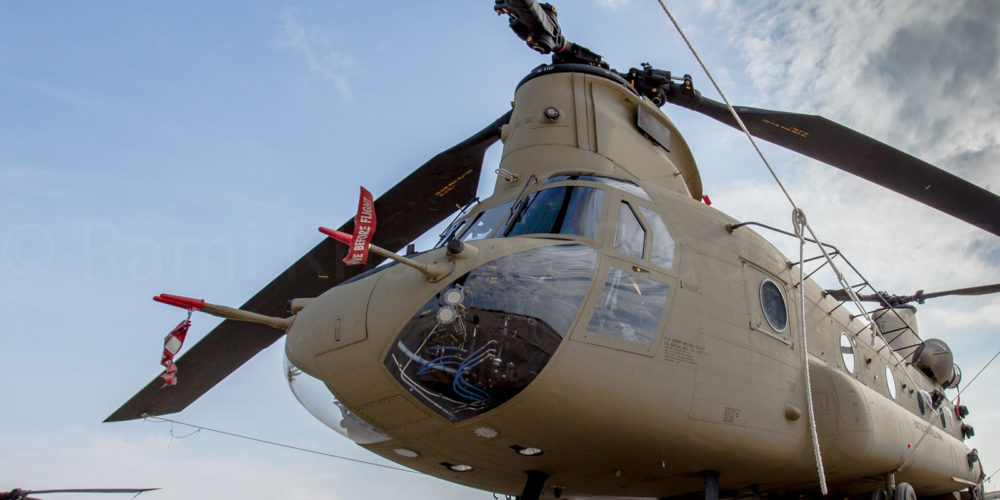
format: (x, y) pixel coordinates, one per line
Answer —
(193, 148)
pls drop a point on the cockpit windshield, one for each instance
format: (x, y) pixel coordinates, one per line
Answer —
(486, 221)
(569, 210)
(481, 226)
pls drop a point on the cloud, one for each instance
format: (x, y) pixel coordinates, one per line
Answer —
(923, 78)
(985, 316)
(316, 47)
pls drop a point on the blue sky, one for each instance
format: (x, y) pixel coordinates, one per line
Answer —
(193, 149)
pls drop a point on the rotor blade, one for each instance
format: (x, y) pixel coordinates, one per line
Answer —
(841, 295)
(410, 208)
(91, 490)
(919, 296)
(858, 154)
(974, 290)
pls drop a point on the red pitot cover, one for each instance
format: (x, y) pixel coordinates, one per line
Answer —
(171, 345)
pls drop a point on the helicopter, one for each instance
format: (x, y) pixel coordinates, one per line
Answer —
(429, 400)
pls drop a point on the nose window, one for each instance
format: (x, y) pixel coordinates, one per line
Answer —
(488, 334)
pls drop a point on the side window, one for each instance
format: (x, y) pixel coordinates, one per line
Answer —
(772, 302)
(629, 308)
(847, 352)
(890, 381)
(631, 237)
(663, 243)
(923, 402)
(767, 307)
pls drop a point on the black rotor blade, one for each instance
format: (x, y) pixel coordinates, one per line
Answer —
(858, 154)
(92, 490)
(841, 295)
(410, 208)
(18, 494)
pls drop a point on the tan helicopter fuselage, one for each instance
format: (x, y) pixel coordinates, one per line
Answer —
(715, 387)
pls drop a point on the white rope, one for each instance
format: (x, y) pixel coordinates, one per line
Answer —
(799, 222)
(991, 476)
(980, 372)
(156, 419)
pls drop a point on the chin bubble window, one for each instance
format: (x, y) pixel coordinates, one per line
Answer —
(773, 304)
(313, 394)
(629, 308)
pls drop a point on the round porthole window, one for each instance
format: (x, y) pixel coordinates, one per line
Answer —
(773, 304)
(847, 352)
(890, 381)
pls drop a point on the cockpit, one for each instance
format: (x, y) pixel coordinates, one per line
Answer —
(590, 257)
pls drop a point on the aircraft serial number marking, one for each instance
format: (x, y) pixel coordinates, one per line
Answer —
(451, 185)
(682, 351)
(797, 131)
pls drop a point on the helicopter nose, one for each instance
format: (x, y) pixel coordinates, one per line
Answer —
(334, 320)
(487, 334)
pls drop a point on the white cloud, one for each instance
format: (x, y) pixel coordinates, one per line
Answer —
(921, 76)
(889, 72)
(320, 55)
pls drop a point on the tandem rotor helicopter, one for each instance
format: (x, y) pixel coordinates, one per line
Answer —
(595, 327)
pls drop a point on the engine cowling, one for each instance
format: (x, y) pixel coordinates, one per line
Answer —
(934, 358)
